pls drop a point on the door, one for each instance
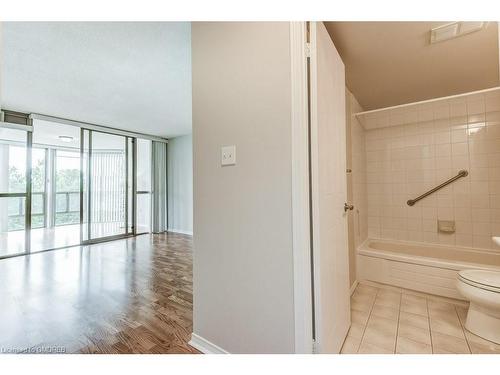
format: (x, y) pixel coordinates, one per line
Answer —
(106, 181)
(15, 197)
(55, 176)
(328, 193)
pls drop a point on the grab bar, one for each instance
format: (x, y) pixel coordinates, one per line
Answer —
(462, 173)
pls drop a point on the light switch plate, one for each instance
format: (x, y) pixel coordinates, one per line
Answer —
(228, 155)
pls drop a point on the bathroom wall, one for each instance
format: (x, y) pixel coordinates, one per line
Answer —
(413, 149)
(356, 181)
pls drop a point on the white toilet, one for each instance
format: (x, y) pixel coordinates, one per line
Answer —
(482, 289)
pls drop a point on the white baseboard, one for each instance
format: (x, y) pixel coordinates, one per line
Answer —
(353, 286)
(190, 233)
(205, 346)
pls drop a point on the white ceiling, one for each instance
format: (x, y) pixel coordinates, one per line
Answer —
(129, 75)
(47, 134)
(391, 63)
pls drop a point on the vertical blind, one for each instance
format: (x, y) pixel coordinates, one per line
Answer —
(108, 187)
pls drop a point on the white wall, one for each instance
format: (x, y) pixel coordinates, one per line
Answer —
(180, 184)
(243, 265)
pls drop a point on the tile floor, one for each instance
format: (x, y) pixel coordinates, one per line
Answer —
(388, 320)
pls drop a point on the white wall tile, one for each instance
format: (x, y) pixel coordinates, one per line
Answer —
(463, 227)
(458, 107)
(424, 148)
(495, 215)
(464, 240)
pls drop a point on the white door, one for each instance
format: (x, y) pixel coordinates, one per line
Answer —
(329, 193)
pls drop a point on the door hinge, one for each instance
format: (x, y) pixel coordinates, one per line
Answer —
(308, 49)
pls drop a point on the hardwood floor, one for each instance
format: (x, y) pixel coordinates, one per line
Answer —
(125, 296)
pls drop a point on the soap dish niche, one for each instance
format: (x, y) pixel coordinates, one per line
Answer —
(446, 226)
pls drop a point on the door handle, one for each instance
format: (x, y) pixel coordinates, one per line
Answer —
(348, 207)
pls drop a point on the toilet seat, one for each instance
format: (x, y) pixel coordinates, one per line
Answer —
(486, 280)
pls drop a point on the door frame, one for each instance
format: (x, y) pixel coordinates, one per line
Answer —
(301, 207)
(304, 125)
(130, 178)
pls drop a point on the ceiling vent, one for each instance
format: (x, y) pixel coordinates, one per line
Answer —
(454, 30)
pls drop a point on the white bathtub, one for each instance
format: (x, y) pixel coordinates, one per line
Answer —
(423, 267)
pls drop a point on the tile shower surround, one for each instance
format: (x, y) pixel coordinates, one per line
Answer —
(417, 148)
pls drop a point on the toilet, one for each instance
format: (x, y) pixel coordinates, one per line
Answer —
(482, 289)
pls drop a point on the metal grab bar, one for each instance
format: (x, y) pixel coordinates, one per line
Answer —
(462, 173)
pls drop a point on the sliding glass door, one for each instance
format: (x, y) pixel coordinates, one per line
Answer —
(107, 175)
(15, 206)
(63, 184)
(55, 167)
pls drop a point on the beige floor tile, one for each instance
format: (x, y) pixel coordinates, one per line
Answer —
(446, 343)
(389, 300)
(439, 306)
(419, 308)
(389, 293)
(462, 313)
(450, 316)
(481, 349)
(359, 317)
(381, 332)
(365, 294)
(414, 320)
(442, 351)
(388, 319)
(351, 345)
(407, 346)
(385, 312)
(420, 335)
(449, 326)
(478, 345)
(453, 301)
(381, 323)
(362, 303)
(356, 330)
(368, 296)
(366, 289)
(380, 338)
(413, 298)
(367, 348)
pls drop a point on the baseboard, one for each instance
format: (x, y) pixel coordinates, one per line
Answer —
(190, 233)
(205, 346)
(353, 286)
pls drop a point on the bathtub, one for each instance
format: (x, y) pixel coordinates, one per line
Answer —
(423, 267)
